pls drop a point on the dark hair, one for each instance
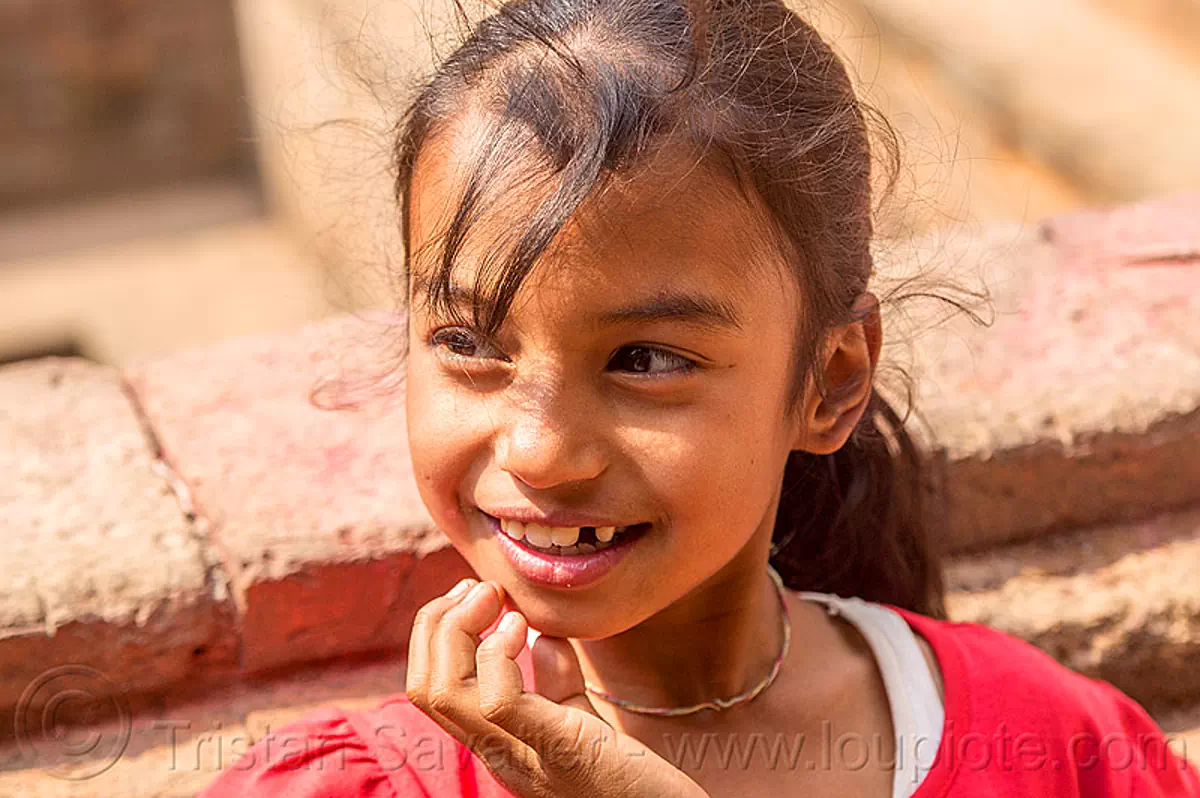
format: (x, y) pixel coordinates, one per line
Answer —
(586, 89)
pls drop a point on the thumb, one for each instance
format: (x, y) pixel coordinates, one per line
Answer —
(555, 720)
(557, 675)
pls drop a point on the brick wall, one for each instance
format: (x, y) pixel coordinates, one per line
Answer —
(197, 517)
(108, 95)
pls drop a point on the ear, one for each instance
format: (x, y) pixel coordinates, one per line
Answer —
(848, 370)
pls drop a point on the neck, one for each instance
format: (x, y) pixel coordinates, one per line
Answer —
(718, 641)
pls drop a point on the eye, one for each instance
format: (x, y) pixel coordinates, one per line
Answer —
(644, 359)
(460, 342)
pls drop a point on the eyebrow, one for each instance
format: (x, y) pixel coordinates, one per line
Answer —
(666, 305)
(671, 305)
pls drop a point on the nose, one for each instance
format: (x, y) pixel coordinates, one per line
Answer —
(551, 443)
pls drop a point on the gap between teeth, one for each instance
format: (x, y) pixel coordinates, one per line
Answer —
(565, 538)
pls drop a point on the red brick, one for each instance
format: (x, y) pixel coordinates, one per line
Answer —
(1081, 404)
(100, 567)
(314, 512)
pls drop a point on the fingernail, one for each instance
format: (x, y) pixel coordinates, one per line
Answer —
(477, 591)
(461, 588)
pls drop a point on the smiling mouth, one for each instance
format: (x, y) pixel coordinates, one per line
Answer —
(564, 557)
(567, 541)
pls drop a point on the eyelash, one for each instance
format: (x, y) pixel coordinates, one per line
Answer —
(439, 340)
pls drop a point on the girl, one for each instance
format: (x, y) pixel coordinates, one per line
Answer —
(640, 398)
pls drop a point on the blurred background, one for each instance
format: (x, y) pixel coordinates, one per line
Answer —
(169, 175)
(178, 172)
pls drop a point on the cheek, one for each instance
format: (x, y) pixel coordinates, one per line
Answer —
(439, 445)
(717, 473)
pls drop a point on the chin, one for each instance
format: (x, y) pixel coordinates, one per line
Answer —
(561, 615)
(558, 626)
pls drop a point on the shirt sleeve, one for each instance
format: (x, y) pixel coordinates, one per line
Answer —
(322, 754)
(391, 751)
(1137, 747)
(1020, 723)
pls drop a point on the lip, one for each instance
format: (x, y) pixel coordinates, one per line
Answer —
(560, 570)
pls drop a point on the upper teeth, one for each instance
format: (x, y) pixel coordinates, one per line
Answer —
(545, 536)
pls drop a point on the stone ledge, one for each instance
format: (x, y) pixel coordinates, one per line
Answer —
(1120, 603)
(1080, 404)
(100, 568)
(314, 512)
(296, 534)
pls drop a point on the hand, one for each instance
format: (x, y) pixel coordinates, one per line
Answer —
(548, 744)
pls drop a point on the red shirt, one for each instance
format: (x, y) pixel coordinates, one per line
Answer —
(1017, 724)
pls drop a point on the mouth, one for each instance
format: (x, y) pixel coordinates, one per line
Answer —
(568, 541)
(564, 556)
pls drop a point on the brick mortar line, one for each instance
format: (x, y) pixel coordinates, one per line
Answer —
(217, 580)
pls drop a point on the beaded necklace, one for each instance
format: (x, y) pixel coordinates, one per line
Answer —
(717, 704)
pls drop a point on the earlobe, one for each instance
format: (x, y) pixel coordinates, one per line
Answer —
(848, 373)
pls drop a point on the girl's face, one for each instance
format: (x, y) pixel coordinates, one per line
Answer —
(639, 380)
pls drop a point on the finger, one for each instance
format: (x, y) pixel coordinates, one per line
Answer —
(480, 608)
(420, 660)
(456, 636)
(563, 738)
(502, 696)
(558, 725)
(452, 644)
(499, 676)
(557, 675)
(425, 621)
(499, 682)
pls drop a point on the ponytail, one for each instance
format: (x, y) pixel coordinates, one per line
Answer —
(852, 523)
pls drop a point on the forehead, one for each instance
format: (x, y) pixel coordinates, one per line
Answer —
(675, 221)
